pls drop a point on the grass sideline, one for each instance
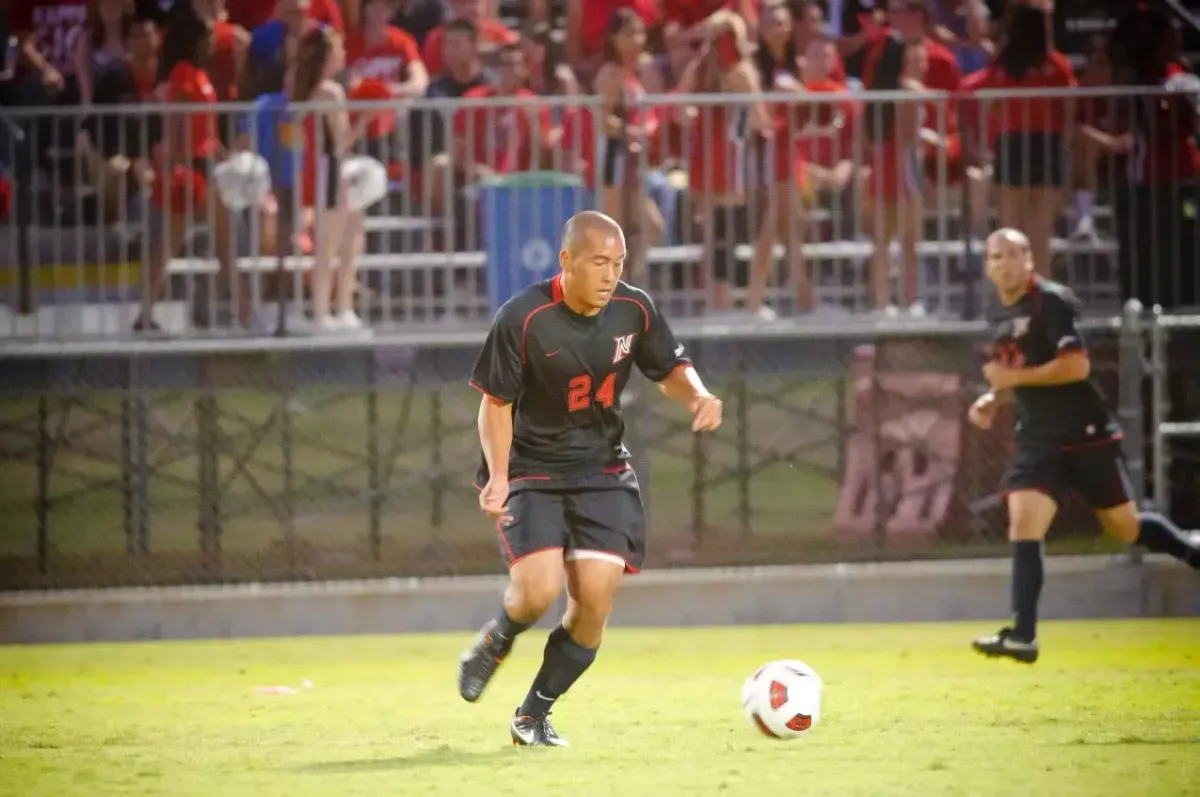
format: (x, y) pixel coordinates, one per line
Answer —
(909, 711)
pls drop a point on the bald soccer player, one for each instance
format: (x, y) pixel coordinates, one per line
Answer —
(555, 472)
(1066, 437)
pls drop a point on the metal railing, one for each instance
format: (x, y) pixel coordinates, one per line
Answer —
(83, 239)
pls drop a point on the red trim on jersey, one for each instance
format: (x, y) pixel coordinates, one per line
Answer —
(525, 326)
(556, 291)
(496, 401)
(612, 469)
(1093, 443)
(508, 554)
(645, 312)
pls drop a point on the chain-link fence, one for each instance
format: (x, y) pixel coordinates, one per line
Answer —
(339, 459)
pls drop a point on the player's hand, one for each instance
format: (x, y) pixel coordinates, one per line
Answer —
(706, 413)
(493, 498)
(983, 411)
(999, 377)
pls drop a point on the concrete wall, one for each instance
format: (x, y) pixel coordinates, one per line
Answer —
(1076, 587)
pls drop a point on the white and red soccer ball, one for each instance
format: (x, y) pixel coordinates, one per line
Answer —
(782, 699)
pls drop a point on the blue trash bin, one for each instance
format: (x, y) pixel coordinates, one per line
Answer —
(523, 217)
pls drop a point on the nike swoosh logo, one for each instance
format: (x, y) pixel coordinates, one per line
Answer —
(551, 353)
(543, 697)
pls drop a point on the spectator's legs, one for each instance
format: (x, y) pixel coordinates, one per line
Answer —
(770, 223)
(1043, 207)
(1085, 159)
(351, 246)
(909, 218)
(330, 225)
(167, 231)
(644, 223)
(882, 220)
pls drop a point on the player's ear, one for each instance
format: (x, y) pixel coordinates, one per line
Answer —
(563, 259)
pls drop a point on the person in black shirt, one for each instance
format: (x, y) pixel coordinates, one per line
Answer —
(555, 471)
(1066, 438)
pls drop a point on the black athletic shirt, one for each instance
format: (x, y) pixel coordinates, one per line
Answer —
(564, 374)
(1033, 332)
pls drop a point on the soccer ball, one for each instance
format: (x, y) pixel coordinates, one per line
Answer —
(783, 699)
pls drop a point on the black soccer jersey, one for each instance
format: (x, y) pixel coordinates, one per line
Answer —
(1033, 332)
(564, 374)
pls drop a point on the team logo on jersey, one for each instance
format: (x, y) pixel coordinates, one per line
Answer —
(1020, 327)
(624, 347)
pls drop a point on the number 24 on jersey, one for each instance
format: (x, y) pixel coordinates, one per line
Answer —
(580, 396)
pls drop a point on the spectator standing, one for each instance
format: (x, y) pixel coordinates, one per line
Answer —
(101, 43)
(1030, 135)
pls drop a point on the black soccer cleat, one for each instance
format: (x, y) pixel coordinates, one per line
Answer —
(1005, 644)
(480, 661)
(534, 732)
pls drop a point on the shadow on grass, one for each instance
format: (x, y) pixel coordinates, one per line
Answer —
(442, 756)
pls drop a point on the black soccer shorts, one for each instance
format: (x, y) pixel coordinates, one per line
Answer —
(1096, 472)
(599, 518)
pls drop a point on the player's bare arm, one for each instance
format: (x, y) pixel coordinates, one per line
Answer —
(1074, 366)
(684, 387)
(495, 436)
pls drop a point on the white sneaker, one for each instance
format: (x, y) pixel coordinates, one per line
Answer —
(765, 313)
(349, 321)
(328, 324)
(917, 310)
(1085, 231)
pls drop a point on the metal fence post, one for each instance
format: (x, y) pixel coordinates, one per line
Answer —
(1158, 410)
(1130, 412)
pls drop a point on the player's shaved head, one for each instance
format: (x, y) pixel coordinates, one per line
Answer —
(592, 260)
(1011, 236)
(583, 225)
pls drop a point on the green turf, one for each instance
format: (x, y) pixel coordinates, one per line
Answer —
(1113, 708)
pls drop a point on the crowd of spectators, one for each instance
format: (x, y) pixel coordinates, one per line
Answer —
(746, 171)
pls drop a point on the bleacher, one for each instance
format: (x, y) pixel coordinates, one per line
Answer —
(82, 277)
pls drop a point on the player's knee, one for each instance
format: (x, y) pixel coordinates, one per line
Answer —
(1120, 522)
(586, 621)
(530, 600)
(1030, 514)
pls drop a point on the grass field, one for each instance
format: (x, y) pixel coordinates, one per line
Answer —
(1113, 708)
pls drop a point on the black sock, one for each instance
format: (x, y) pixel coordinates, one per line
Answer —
(1026, 587)
(1157, 533)
(562, 664)
(508, 628)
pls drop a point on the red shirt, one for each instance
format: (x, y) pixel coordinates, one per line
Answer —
(502, 138)
(222, 68)
(249, 14)
(388, 60)
(188, 84)
(491, 34)
(1165, 145)
(56, 26)
(828, 151)
(1047, 115)
(687, 13)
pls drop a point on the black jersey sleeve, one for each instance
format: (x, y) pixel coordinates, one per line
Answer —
(1058, 318)
(659, 353)
(499, 369)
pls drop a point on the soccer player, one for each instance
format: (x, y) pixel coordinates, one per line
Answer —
(1066, 438)
(555, 472)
